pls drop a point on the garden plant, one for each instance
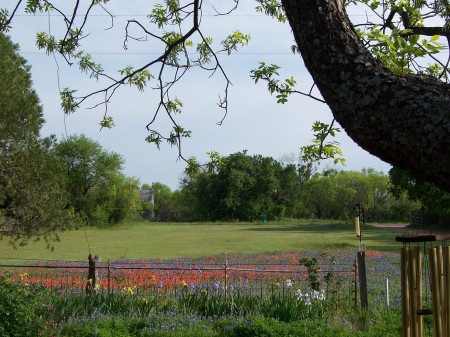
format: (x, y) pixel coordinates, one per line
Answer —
(307, 303)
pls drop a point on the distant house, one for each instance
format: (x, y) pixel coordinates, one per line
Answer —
(149, 196)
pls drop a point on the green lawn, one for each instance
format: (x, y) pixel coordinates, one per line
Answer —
(165, 240)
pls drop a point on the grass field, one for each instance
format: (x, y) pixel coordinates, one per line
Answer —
(166, 240)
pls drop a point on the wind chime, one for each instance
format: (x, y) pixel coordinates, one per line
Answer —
(425, 263)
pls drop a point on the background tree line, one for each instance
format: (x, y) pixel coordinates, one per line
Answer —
(253, 188)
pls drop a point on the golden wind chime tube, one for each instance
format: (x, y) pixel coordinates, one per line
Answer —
(411, 292)
(406, 327)
(435, 290)
(440, 271)
(446, 279)
(419, 289)
(357, 227)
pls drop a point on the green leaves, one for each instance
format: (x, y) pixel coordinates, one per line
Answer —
(174, 106)
(159, 15)
(234, 40)
(4, 15)
(173, 139)
(268, 73)
(68, 103)
(204, 50)
(272, 8)
(107, 122)
(138, 78)
(34, 6)
(193, 167)
(166, 15)
(47, 42)
(319, 149)
(88, 66)
(154, 138)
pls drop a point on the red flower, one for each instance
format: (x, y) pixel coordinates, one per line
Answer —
(50, 308)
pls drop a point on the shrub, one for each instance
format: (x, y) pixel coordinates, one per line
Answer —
(21, 310)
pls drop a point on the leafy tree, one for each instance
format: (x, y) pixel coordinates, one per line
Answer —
(92, 174)
(333, 194)
(164, 203)
(114, 201)
(372, 79)
(244, 187)
(435, 202)
(320, 196)
(32, 200)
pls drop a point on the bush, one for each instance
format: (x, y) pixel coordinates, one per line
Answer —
(21, 310)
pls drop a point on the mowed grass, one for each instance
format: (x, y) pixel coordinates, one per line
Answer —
(142, 240)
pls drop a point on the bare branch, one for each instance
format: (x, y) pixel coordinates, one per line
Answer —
(4, 26)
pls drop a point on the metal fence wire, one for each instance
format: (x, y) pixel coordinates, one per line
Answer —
(145, 277)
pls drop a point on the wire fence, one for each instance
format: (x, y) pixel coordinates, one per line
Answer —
(159, 277)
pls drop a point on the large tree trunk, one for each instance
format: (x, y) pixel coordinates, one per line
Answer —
(404, 120)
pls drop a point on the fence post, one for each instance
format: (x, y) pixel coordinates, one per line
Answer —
(362, 279)
(91, 284)
(109, 277)
(226, 279)
(356, 283)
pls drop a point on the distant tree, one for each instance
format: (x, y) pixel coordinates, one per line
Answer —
(320, 196)
(290, 190)
(33, 202)
(334, 194)
(164, 203)
(114, 201)
(242, 188)
(89, 169)
(435, 202)
(379, 199)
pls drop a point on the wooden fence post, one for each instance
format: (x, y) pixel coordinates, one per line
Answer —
(109, 277)
(362, 279)
(356, 283)
(226, 279)
(91, 284)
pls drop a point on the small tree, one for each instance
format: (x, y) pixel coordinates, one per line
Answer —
(93, 180)
(33, 202)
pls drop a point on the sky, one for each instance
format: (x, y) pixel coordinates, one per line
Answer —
(255, 121)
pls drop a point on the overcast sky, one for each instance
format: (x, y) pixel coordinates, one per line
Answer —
(255, 121)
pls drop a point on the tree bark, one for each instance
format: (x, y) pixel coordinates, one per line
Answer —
(402, 119)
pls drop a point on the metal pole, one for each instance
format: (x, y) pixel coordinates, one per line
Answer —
(387, 294)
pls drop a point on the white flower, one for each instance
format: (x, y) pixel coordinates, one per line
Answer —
(315, 295)
(299, 294)
(322, 295)
(289, 283)
(307, 300)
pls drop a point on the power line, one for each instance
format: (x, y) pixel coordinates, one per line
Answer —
(143, 15)
(150, 53)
